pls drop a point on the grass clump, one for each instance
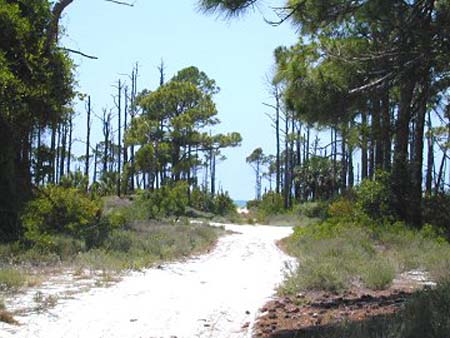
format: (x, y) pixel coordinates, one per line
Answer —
(379, 274)
(44, 302)
(12, 279)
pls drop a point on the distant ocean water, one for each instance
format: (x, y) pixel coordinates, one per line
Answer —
(240, 203)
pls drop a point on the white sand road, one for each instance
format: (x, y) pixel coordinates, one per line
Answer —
(213, 295)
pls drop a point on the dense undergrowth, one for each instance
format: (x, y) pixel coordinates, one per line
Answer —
(65, 227)
(357, 240)
(270, 210)
(339, 253)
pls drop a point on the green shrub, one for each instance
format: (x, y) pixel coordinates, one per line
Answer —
(59, 211)
(271, 203)
(341, 208)
(170, 200)
(374, 197)
(75, 180)
(436, 211)
(120, 240)
(202, 200)
(223, 204)
(253, 204)
(312, 209)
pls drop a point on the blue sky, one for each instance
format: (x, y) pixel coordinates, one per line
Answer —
(236, 53)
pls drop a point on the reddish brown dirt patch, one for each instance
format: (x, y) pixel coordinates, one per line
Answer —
(317, 309)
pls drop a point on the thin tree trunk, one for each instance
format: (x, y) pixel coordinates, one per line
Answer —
(119, 139)
(416, 210)
(125, 146)
(63, 149)
(95, 164)
(69, 147)
(277, 132)
(376, 129)
(364, 141)
(430, 158)
(386, 130)
(88, 141)
(343, 160)
(286, 185)
(52, 154)
(58, 154)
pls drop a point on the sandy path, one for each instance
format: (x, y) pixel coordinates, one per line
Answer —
(213, 295)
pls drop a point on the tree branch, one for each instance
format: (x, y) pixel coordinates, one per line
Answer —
(121, 3)
(79, 53)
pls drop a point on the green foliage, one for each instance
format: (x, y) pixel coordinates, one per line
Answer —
(330, 256)
(253, 204)
(170, 200)
(342, 249)
(374, 197)
(202, 200)
(221, 204)
(11, 279)
(171, 131)
(132, 249)
(75, 180)
(312, 209)
(379, 273)
(271, 204)
(436, 211)
(58, 211)
(317, 178)
(35, 89)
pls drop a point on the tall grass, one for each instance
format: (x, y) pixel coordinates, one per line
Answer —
(131, 249)
(142, 246)
(12, 279)
(334, 256)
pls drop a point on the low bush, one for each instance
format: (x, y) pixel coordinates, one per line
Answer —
(312, 209)
(58, 211)
(436, 211)
(170, 200)
(375, 198)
